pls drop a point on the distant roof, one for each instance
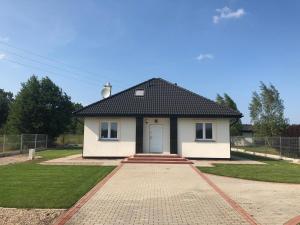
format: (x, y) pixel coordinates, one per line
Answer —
(160, 98)
(247, 128)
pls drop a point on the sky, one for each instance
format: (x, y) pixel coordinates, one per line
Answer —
(209, 47)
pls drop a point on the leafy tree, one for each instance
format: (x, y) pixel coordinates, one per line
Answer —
(76, 125)
(6, 99)
(227, 101)
(267, 112)
(40, 107)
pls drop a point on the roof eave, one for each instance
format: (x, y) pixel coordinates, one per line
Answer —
(158, 115)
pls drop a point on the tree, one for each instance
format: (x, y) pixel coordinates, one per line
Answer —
(40, 107)
(6, 99)
(267, 112)
(76, 124)
(227, 101)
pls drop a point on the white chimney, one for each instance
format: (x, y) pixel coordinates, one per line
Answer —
(106, 91)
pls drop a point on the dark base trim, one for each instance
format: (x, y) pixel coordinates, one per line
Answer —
(202, 158)
(104, 157)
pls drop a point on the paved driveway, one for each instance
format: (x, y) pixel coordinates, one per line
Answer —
(156, 194)
(269, 203)
(178, 194)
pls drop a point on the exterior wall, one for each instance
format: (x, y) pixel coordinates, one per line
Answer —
(247, 134)
(124, 146)
(165, 122)
(219, 147)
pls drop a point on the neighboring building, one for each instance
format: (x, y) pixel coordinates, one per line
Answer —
(292, 131)
(157, 116)
(247, 130)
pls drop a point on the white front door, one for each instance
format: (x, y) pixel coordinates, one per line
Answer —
(156, 139)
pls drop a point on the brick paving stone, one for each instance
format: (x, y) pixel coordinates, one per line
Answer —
(150, 194)
(269, 203)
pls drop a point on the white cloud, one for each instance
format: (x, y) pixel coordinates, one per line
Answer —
(2, 56)
(4, 39)
(227, 13)
(202, 57)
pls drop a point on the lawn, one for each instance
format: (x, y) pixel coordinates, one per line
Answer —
(31, 185)
(261, 149)
(57, 153)
(273, 171)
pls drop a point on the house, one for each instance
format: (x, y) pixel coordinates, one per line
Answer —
(247, 130)
(246, 138)
(157, 117)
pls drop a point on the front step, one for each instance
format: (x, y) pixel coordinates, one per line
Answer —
(157, 155)
(160, 159)
(157, 159)
(158, 162)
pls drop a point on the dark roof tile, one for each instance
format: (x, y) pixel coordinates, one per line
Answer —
(161, 98)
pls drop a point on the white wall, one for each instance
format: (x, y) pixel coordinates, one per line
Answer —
(124, 146)
(165, 123)
(218, 148)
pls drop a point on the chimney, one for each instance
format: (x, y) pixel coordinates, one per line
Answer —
(106, 91)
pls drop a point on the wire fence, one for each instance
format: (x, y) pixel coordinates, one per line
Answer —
(22, 142)
(283, 146)
(65, 140)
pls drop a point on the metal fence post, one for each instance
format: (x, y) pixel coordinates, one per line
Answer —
(21, 144)
(46, 140)
(35, 141)
(280, 147)
(299, 147)
(3, 142)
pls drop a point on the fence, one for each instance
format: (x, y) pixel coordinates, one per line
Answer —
(283, 146)
(69, 140)
(22, 142)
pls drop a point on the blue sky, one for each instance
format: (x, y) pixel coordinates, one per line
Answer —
(208, 46)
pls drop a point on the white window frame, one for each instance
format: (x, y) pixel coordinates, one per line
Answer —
(204, 131)
(109, 138)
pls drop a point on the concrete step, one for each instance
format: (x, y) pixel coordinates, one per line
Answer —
(157, 161)
(157, 155)
(154, 158)
(157, 158)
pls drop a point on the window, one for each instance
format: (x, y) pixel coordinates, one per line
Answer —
(208, 131)
(104, 130)
(108, 130)
(199, 131)
(204, 131)
(139, 92)
(113, 130)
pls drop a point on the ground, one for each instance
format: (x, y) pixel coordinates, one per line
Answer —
(262, 149)
(271, 170)
(31, 185)
(156, 194)
(150, 193)
(177, 194)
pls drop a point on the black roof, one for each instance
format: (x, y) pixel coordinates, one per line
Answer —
(247, 128)
(161, 98)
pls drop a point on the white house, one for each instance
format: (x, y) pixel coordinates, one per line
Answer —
(159, 117)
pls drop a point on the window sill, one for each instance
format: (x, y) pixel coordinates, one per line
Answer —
(204, 140)
(108, 139)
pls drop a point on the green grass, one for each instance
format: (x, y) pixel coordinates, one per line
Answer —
(261, 149)
(273, 171)
(31, 185)
(58, 153)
